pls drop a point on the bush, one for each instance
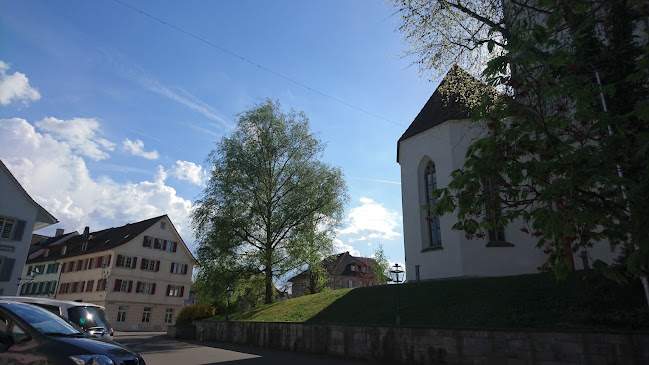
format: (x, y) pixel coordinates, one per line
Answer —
(193, 312)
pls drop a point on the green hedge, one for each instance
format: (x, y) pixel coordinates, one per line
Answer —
(193, 312)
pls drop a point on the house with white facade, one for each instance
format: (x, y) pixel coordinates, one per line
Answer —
(432, 147)
(140, 272)
(20, 215)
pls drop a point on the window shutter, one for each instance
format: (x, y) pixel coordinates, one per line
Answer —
(98, 285)
(85, 264)
(175, 246)
(119, 260)
(134, 263)
(142, 264)
(63, 267)
(157, 265)
(118, 285)
(153, 288)
(18, 231)
(61, 289)
(144, 241)
(130, 285)
(172, 267)
(138, 288)
(90, 285)
(185, 269)
(182, 291)
(83, 286)
(108, 262)
(164, 245)
(168, 289)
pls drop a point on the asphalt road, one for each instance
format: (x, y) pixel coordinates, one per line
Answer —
(156, 349)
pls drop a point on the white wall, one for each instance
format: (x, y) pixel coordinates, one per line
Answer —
(14, 204)
(446, 145)
(445, 262)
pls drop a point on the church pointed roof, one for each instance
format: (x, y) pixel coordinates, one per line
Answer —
(443, 105)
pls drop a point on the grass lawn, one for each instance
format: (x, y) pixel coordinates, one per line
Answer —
(583, 300)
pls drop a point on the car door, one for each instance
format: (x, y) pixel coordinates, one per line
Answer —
(22, 351)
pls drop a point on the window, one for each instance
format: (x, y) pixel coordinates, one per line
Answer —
(148, 242)
(125, 261)
(169, 246)
(121, 313)
(434, 233)
(150, 265)
(146, 315)
(11, 229)
(175, 291)
(46, 253)
(163, 225)
(157, 244)
(64, 250)
(84, 246)
(169, 315)
(493, 211)
(180, 268)
(353, 267)
(101, 284)
(124, 286)
(145, 288)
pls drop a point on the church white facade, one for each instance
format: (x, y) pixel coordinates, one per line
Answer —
(431, 148)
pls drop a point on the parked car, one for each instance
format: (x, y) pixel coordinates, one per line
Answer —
(33, 335)
(91, 317)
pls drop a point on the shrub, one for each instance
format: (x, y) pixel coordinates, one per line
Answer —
(193, 312)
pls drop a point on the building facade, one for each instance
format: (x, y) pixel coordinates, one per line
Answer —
(140, 272)
(343, 271)
(432, 147)
(20, 215)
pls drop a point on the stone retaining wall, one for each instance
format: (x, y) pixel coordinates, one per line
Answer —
(419, 345)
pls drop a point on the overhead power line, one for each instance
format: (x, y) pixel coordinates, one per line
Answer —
(203, 40)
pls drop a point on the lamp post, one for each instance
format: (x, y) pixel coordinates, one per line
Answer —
(229, 292)
(396, 270)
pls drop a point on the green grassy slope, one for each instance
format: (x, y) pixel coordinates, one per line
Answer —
(583, 300)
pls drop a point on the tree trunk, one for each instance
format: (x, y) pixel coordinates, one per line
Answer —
(269, 279)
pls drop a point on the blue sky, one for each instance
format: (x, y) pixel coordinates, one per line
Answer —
(107, 114)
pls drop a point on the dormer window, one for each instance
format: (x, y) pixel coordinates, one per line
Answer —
(363, 268)
(46, 253)
(353, 267)
(84, 246)
(64, 250)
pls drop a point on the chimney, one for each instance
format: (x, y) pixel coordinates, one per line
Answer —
(86, 232)
(59, 232)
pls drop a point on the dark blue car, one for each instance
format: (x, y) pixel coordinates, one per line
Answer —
(32, 335)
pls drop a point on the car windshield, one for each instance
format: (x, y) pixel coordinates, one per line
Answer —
(88, 317)
(41, 319)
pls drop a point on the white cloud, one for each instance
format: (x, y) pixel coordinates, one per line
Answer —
(371, 220)
(340, 247)
(136, 148)
(15, 87)
(56, 176)
(80, 134)
(189, 171)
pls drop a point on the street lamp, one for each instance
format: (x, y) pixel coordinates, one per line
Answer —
(229, 291)
(396, 270)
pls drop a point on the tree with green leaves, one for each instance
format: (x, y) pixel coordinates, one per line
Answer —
(380, 266)
(568, 138)
(267, 188)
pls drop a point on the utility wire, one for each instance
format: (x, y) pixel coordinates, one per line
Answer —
(203, 40)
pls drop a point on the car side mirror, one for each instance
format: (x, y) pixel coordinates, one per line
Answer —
(6, 341)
